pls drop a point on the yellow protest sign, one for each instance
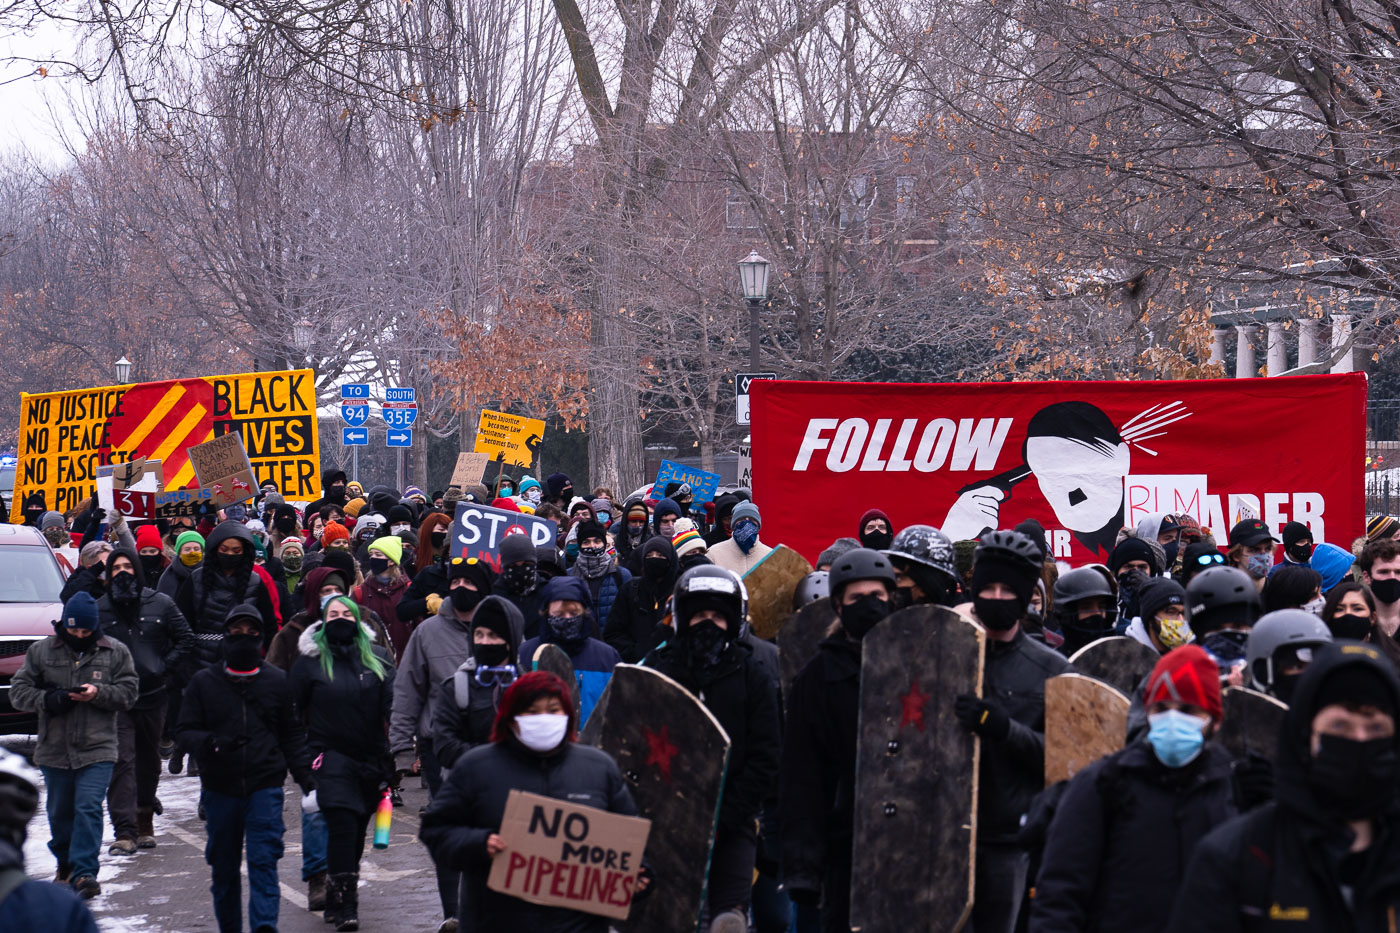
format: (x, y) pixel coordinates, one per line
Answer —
(514, 436)
(65, 436)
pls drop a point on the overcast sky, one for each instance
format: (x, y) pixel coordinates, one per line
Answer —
(25, 96)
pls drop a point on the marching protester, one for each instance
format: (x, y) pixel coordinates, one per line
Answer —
(691, 549)
(635, 625)
(1350, 613)
(430, 580)
(384, 587)
(922, 557)
(160, 643)
(1322, 855)
(631, 529)
(225, 579)
(1281, 646)
(1252, 549)
(1223, 606)
(875, 531)
(519, 581)
(27, 904)
(599, 572)
(706, 658)
(343, 685)
(471, 697)
(238, 720)
(742, 552)
(1127, 824)
(532, 749)
(568, 618)
(1161, 623)
(189, 554)
(1009, 717)
(1085, 608)
(77, 680)
(1379, 564)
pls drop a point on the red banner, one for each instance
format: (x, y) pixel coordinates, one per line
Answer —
(1083, 458)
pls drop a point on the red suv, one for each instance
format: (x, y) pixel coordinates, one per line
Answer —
(30, 581)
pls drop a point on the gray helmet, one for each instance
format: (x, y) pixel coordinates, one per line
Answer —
(925, 544)
(1217, 588)
(1084, 583)
(711, 587)
(860, 564)
(816, 585)
(1284, 628)
(1009, 545)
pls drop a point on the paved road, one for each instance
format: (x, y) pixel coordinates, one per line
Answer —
(166, 889)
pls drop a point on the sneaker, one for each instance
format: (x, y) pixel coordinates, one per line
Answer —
(86, 887)
(122, 847)
(448, 926)
(395, 797)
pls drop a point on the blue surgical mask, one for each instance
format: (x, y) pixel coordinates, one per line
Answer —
(746, 535)
(1176, 737)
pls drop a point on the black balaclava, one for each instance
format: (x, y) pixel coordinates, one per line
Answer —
(1002, 614)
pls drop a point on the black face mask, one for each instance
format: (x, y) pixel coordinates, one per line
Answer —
(999, 615)
(1088, 629)
(491, 655)
(124, 588)
(336, 494)
(520, 578)
(877, 540)
(568, 632)
(859, 617)
(1226, 646)
(705, 642)
(80, 645)
(1352, 779)
(656, 568)
(567, 493)
(465, 600)
(285, 525)
(1301, 553)
(439, 538)
(1284, 685)
(1171, 547)
(901, 598)
(340, 631)
(241, 652)
(634, 533)
(1353, 627)
(229, 562)
(1387, 591)
(379, 566)
(153, 565)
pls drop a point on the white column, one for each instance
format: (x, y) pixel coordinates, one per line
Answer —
(1217, 345)
(1244, 351)
(1341, 333)
(1277, 348)
(1307, 341)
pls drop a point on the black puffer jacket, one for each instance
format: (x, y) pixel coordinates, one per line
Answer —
(207, 595)
(816, 796)
(634, 627)
(742, 697)
(1121, 838)
(346, 715)
(1281, 867)
(243, 731)
(471, 802)
(466, 707)
(1012, 770)
(154, 631)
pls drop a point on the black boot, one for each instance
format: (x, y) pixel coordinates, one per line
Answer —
(347, 886)
(334, 899)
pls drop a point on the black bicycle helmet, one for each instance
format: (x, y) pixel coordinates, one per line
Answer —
(711, 587)
(816, 585)
(1219, 596)
(1009, 545)
(860, 564)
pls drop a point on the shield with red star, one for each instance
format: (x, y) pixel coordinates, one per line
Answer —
(673, 753)
(916, 773)
(1085, 719)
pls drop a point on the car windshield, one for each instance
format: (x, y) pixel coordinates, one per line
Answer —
(28, 575)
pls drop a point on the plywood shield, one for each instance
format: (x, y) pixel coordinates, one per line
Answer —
(1119, 661)
(799, 637)
(1085, 719)
(1252, 723)
(771, 583)
(916, 774)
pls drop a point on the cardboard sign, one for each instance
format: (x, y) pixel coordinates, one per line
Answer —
(222, 467)
(478, 530)
(562, 855)
(469, 468)
(1083, 458)
(702, 484)
(182, 503)
(513, 438)
(129, 489)
(65, 436)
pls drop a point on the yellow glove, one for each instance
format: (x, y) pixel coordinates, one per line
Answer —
(434, 602)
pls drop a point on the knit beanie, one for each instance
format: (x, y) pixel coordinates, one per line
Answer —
(963, 552)
(493, 616)
(588, 528)
(187, 537)
(81, 612)
(334, 531)
(1157, 594)
(52, 520)
(1132, 549)
(355, 506)
(148, 536)
(686, 540)
(1352, 685)
(1036, 532)
(637, 509)
(1381, 526)
(390, 546)
(400, 515)
(742, 511)
(555, 483)
(505, 504)
(528, 483)
(473, 569)
(291, 544)
(1186, 675)
(838, 548)
(516, 548)
(450, 497)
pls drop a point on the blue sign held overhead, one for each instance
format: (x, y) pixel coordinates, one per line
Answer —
(354, 414)
(354, 437)
(400, 395)
(355, 390)
(398, 438)
(703, 484)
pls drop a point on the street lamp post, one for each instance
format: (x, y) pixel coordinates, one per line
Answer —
(753, 277)
(123, 370)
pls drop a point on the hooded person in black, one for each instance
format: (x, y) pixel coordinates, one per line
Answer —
(1325, 855)
(469, 699)
(333, 492)
(160, 642)
(631, 530)
(224, 579)
(520, 582)
(635, 626)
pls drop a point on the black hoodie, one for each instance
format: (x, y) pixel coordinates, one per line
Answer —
(153, 629)
(1279, 867)
(466, 709)
(634, 626)
(207, 595)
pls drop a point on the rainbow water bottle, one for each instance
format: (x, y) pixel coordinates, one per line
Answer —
(383, 815)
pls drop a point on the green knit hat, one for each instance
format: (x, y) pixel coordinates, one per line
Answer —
(391, 546)
(186, 537)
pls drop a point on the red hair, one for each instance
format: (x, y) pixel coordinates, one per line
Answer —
(522, 694)
(431, 523)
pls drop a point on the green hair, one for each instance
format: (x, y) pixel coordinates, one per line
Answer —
(367, 655)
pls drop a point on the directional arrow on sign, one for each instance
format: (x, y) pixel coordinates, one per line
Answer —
(354, 437)
(398, 439)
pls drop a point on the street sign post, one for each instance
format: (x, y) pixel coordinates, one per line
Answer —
(354, 411)
(742, 381)
(399, 411)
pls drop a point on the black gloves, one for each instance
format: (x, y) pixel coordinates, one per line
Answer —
(57, 701)
(979, 716)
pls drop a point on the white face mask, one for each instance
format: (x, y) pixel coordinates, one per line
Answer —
(532, 495)
(1314, 606)
(541, 732)
(398, 529)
